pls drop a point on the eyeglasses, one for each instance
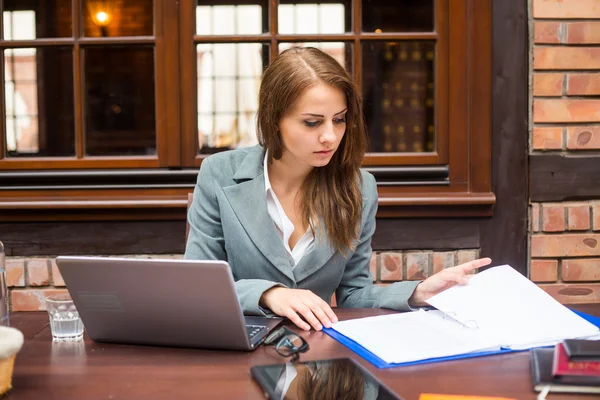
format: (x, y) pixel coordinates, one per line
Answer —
(287, 343)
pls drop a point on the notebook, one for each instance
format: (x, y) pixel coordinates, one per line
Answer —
(498, 311)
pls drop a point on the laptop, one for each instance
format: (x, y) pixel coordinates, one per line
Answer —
(179, 303)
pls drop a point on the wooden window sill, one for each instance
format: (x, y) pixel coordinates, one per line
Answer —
(174, 206)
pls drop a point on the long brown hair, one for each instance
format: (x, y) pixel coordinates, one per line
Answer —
(329, 194)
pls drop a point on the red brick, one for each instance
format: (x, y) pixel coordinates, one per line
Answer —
(464, 256)
(547, 84)
(560, 57)
(543, 270)
(566, 9)
(547, 138)
(373, 267)
(442, 260)
(417, 265)
(391, 266)
(15, 272)
(583, 137)
(553, 218)
(37, 272)
(535, 217)
(587, 269)
(551, 110)
(578, 218)
(574, 293)
(567, 245)
(546, 32)
(57, 279)
(596, 217)
(583, 32)
(31, 299)
(583, 84)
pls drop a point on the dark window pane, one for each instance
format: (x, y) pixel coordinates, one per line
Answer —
(397, 16)
(119, 101)
(398, 86)
(118, 17)
(314, 18)
(341, 51)
(35, 19)
(228, 82)
(38, 91)
(233, 17)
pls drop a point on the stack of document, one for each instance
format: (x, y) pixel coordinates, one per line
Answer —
(499, 310)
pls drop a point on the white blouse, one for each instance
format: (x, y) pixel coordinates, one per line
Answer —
(283, 224)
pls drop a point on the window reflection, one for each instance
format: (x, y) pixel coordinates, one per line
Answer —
(397, 16)
(27, 20)
(118, 17)
(231, 19)
(119, 101)
(38, 92)
(228, 83)
(20, 85)
(312, 18)
(398, 85)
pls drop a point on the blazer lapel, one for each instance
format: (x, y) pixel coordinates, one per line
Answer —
(312, 261)
(248, 201)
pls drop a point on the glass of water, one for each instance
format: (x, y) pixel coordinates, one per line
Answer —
(65, 323)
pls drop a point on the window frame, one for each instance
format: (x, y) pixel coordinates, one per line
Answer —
(463, 109)
(167, 146)
(458, 183)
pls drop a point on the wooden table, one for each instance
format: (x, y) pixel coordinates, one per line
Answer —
(89, 370)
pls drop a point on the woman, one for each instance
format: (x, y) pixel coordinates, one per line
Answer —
(294, 216)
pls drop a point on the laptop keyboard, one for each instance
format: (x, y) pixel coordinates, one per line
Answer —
(253, 330)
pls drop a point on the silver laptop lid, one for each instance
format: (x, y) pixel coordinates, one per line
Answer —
(184, 303)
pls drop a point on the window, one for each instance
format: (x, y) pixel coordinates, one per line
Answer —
(130, 96)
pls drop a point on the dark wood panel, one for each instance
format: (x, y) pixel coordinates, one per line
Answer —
(557, 177)
(168, 237)
(93, 238)
(426, 234)
(504, 236)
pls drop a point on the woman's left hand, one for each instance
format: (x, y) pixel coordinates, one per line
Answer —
(443, 280)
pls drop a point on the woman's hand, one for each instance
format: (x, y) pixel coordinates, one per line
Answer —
(443, 280)
(292, 303)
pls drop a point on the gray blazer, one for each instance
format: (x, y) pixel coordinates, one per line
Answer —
(229, 221)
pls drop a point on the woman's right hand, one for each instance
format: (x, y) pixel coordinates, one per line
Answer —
(292, 303)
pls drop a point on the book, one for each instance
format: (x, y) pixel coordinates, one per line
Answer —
(582, 350)
(499, 310)
(542, 379)
(563, 366)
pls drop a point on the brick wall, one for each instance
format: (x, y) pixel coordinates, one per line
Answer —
(565, 237)
(31, 279)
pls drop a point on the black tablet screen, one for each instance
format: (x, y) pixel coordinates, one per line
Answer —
(322, 379)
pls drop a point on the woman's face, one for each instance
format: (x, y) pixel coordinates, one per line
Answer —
(313, 127)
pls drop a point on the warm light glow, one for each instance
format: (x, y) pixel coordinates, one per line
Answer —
(102, 17)
(378, 30)
(102, 12)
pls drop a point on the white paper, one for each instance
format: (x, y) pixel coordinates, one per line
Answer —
(505, 305)
(414, 336)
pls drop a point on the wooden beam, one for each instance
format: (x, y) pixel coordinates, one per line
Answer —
(559, 177)
(504, 236)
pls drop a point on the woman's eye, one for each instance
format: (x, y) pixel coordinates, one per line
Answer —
(311, 124)
(339, 121)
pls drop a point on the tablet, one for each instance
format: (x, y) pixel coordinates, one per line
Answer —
(341, 378)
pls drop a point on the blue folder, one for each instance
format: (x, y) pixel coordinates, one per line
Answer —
(379, 363)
